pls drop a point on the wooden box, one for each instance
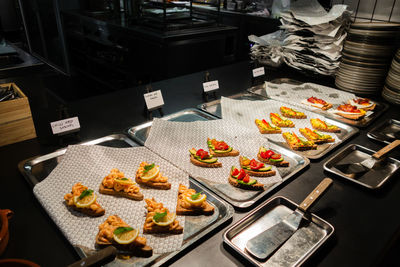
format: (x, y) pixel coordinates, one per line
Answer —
(16, 122)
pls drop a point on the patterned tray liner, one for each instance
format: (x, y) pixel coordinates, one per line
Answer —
(294, 94)
(244, 112)
(89, 165)
(182, 136)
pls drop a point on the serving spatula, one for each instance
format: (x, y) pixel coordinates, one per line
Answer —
(356, 169)
(264, 244)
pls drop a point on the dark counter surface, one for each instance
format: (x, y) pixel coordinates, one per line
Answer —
(366, 222)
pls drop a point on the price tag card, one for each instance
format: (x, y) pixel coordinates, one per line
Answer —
(210, 86)
(258, 72)
(154, 100)
(65, 126)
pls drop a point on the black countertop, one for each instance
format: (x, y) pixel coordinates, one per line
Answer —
(366, 222)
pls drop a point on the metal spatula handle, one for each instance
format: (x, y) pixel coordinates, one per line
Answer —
(315, 194)
(386, 149)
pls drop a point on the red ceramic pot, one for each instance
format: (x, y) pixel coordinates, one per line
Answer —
(5, 215)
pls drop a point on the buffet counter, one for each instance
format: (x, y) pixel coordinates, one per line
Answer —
(365, 222)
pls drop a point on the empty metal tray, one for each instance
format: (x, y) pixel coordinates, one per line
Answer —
(386, 132)
(139, 133)
(239, 198)
(372, 179)
(313, 232)
(379, 109)
(38, 168)
(214, 107)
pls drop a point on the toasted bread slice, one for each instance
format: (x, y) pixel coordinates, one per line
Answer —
(278, 121)
(369, 108)
(256, 173)
(94, 210)
(355, 116)
(185, 208)
(315, 139)
(266, 130)
(232, 153)
(291, 113)
(283, 163)
(159, 181)
(105, 238)
(112, 192)
(235, 183)
(360, 106)
(203, 164)
(150, 227)
(297, 147)
(325, 107)
(320, 125)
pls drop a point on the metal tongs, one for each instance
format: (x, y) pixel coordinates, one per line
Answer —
(6, 93)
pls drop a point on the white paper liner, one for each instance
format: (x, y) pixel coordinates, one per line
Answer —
(89, 165)
(172, 140)
(244, 112)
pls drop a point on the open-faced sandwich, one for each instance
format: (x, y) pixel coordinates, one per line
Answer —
(191, 202)
(266, 128)
(201, 158)
(315, 136)
(221, 149)
(298, 143)
(278, 121)
(270, 157)
(291, 113)
(239, 178)
(362, 103)
(116, 184)
(160, 220)
(317, 103)
(324, 126)
(114, 231)
(150, 175)
(83, 200)
(350, 112)
(255, 168)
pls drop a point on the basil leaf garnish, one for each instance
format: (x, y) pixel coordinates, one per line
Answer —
(86, 192)
(159, 216)
(148, 168)
(195, 196)
(121, 230)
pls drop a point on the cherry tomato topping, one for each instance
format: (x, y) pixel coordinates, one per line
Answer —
(235, 172)
(246, 179)
(241, 175)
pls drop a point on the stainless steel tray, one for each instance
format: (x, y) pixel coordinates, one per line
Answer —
(38, 168)
(296, 250)
(214, 108)
(379, 109)
(237, 197)
(139, 133)
(373, 179)
(386, 132)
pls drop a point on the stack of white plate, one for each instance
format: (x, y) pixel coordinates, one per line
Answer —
(391, 90)
(366, 56)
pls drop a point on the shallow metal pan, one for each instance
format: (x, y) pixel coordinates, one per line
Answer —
(372, 179)
(386, 131)
(239, 198)
(379, 109)
(313, 232)
(38, 168)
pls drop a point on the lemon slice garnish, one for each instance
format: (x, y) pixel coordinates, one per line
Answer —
(166, 220)
(85, 201)
(126, 237)
(124, 181)
(198, 201)
(151, 174)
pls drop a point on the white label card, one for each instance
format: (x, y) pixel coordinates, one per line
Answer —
(210, 86)
(154, 100)
(66, 125)
(258, 72)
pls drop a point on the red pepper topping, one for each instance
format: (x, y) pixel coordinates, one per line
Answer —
(361, 101)
(348, 108)
(255, 165)
(315, 100)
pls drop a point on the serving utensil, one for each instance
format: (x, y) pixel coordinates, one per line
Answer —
(356, 169)
(264, 244)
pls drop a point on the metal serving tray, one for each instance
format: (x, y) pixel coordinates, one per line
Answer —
(214, 108)
(373, 179)
(313, 232)
(386, 132)
(379, 109)
(239, 198)
(139, 133)
(38, 168)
